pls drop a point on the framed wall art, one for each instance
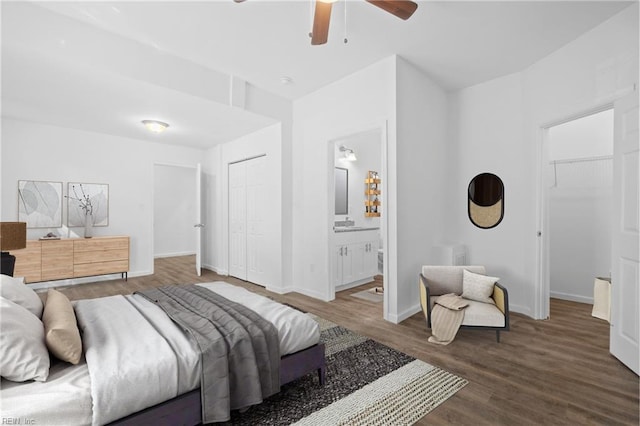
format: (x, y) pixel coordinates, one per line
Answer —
(40, 203)
(87, 200)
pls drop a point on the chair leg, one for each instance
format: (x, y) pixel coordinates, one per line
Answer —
(498, 335)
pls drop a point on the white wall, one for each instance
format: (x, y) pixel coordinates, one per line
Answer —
(174, 210)
(419, 167)
(587, 137)
(498, 129)
(373, 98)
(360, 102)
(267, 142)
(33, 151)
(580, 241)
(489, 124)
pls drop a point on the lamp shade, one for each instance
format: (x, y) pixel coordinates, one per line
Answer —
(13, 235)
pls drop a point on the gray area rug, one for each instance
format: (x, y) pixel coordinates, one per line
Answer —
(367, 384)
(369, 295)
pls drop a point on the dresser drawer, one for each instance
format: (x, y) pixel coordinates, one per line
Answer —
(103, 243)
(101, 268)
(57, 259)
(98, 256)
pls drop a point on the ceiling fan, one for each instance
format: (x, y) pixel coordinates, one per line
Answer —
(403, 9)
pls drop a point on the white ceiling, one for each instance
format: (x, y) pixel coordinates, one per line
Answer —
(83, 64)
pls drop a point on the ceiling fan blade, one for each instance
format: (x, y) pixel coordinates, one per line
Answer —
(403, 9)
(321, 19)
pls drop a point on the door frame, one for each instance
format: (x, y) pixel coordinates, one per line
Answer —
(193, 167)
(382, 128)
(542, 279)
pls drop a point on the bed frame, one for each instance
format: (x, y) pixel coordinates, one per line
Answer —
(186, 409)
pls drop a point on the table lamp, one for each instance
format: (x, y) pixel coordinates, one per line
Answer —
(13, 236)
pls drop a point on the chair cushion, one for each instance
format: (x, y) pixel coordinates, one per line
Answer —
(447, 279)
(479, 314)
(477, 287)
(483, 315)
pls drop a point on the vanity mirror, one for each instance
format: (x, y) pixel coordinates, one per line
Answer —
(342, 190)
(485, 200)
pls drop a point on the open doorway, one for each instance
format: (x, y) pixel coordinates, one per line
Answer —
(174, 207)
(357, 239)
(579, 205)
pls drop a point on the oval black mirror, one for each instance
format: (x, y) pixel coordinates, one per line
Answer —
(485, 200)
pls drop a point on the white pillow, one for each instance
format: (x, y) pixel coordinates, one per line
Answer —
(477, 287)
(18, 292)
(23, 352)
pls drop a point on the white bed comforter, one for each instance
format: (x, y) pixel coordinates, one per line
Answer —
(130, 365)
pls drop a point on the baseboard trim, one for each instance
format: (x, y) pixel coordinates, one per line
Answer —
(219, 271)
(354, 284)
(571, 297)
(177, 254)
(311, 293)
(280, 290)
(407, 313)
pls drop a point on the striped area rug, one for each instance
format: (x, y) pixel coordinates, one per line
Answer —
(367, 384)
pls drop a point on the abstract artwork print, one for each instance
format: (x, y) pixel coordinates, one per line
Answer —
(40, 203)
(88, 200)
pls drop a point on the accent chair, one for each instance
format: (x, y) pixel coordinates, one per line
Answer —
(436, 281)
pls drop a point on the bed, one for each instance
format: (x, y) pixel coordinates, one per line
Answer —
(138, 366)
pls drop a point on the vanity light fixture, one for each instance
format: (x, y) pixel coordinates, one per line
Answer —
(348, 153)
(155, 126)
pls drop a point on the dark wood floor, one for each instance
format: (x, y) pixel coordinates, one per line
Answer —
(557, 371)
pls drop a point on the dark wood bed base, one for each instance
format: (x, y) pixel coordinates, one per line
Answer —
(186, 409)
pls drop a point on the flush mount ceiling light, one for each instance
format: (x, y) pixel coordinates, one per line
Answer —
(155, 126)
(349, 155)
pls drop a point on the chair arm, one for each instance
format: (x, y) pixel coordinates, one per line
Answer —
(425, 295)
(501, 297)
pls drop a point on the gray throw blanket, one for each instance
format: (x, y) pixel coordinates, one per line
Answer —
(239, 350)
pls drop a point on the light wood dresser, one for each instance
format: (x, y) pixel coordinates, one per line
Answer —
(46, 260)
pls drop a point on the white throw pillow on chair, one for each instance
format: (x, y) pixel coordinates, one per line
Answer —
(478, 287)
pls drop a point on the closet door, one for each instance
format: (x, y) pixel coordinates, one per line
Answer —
(238, 220)
(257, 204)
(624, 334)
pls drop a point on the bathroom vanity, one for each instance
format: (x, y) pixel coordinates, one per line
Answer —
(355, 256)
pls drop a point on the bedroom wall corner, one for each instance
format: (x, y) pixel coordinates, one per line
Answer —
(421, 149)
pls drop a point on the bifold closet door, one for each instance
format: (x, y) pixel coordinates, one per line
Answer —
(255, 208)
(238, 220)
(247, 204)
